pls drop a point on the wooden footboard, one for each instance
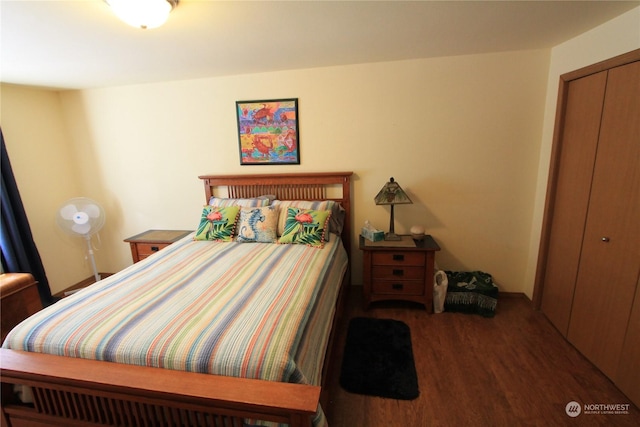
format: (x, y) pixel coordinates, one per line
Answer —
(78, 392)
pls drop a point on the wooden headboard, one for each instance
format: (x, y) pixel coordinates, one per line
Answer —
(289, 186)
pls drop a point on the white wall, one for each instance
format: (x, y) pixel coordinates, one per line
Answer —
(618, 36)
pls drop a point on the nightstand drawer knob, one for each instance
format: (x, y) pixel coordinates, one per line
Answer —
(398, 272)
(397, 286)
(155, 248)
(398, 257)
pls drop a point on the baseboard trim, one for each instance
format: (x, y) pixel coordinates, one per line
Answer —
(81, 284)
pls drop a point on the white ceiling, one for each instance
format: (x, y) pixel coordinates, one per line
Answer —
(81, 44)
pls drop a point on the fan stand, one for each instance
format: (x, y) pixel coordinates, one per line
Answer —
(92, 258)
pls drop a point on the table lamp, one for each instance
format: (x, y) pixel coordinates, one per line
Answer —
(392, 194)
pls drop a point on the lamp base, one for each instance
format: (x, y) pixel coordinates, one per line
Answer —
(392, 237)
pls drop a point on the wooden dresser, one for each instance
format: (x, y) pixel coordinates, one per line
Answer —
(19, 299)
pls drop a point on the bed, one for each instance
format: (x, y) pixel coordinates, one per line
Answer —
(115, 388)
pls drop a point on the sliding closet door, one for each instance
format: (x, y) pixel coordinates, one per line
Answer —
(610, 258)
(579, 140)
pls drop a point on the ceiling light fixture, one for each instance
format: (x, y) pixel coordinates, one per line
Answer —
(143, 13)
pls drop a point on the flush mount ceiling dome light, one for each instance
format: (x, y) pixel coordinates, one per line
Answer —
(143, 13)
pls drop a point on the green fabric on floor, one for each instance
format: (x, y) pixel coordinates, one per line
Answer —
(471, 292)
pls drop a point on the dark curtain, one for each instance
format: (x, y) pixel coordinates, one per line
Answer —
(19, 252)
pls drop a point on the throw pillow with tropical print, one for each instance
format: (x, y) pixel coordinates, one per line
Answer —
(217, 223)
(305, 226)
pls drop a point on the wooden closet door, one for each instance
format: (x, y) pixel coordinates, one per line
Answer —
(628, 375)
(610, 257)
(579, 140)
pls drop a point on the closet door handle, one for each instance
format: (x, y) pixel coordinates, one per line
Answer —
(605, 239)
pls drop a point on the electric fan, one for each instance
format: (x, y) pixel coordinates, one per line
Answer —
(82, 217)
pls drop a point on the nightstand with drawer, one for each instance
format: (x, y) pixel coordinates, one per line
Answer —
(399, 270)
(151, 241)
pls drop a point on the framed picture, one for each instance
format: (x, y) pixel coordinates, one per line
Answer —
(268, 132)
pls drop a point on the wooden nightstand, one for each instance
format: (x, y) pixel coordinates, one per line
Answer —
(399, 270)
(151, 241)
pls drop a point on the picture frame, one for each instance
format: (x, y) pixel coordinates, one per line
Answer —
(268, 132)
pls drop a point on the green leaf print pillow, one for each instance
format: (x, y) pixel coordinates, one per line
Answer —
(217, 223)
(305, 226)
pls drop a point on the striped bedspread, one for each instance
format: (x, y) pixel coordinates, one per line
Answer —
(235, 309)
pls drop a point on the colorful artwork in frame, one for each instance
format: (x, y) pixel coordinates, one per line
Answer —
(268, 132)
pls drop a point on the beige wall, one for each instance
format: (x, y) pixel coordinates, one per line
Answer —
(462, 135)
(45, 168)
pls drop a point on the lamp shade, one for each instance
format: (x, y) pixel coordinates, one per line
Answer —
(143, 13)
(392, 194)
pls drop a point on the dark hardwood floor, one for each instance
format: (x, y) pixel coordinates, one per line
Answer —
(514, 369)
